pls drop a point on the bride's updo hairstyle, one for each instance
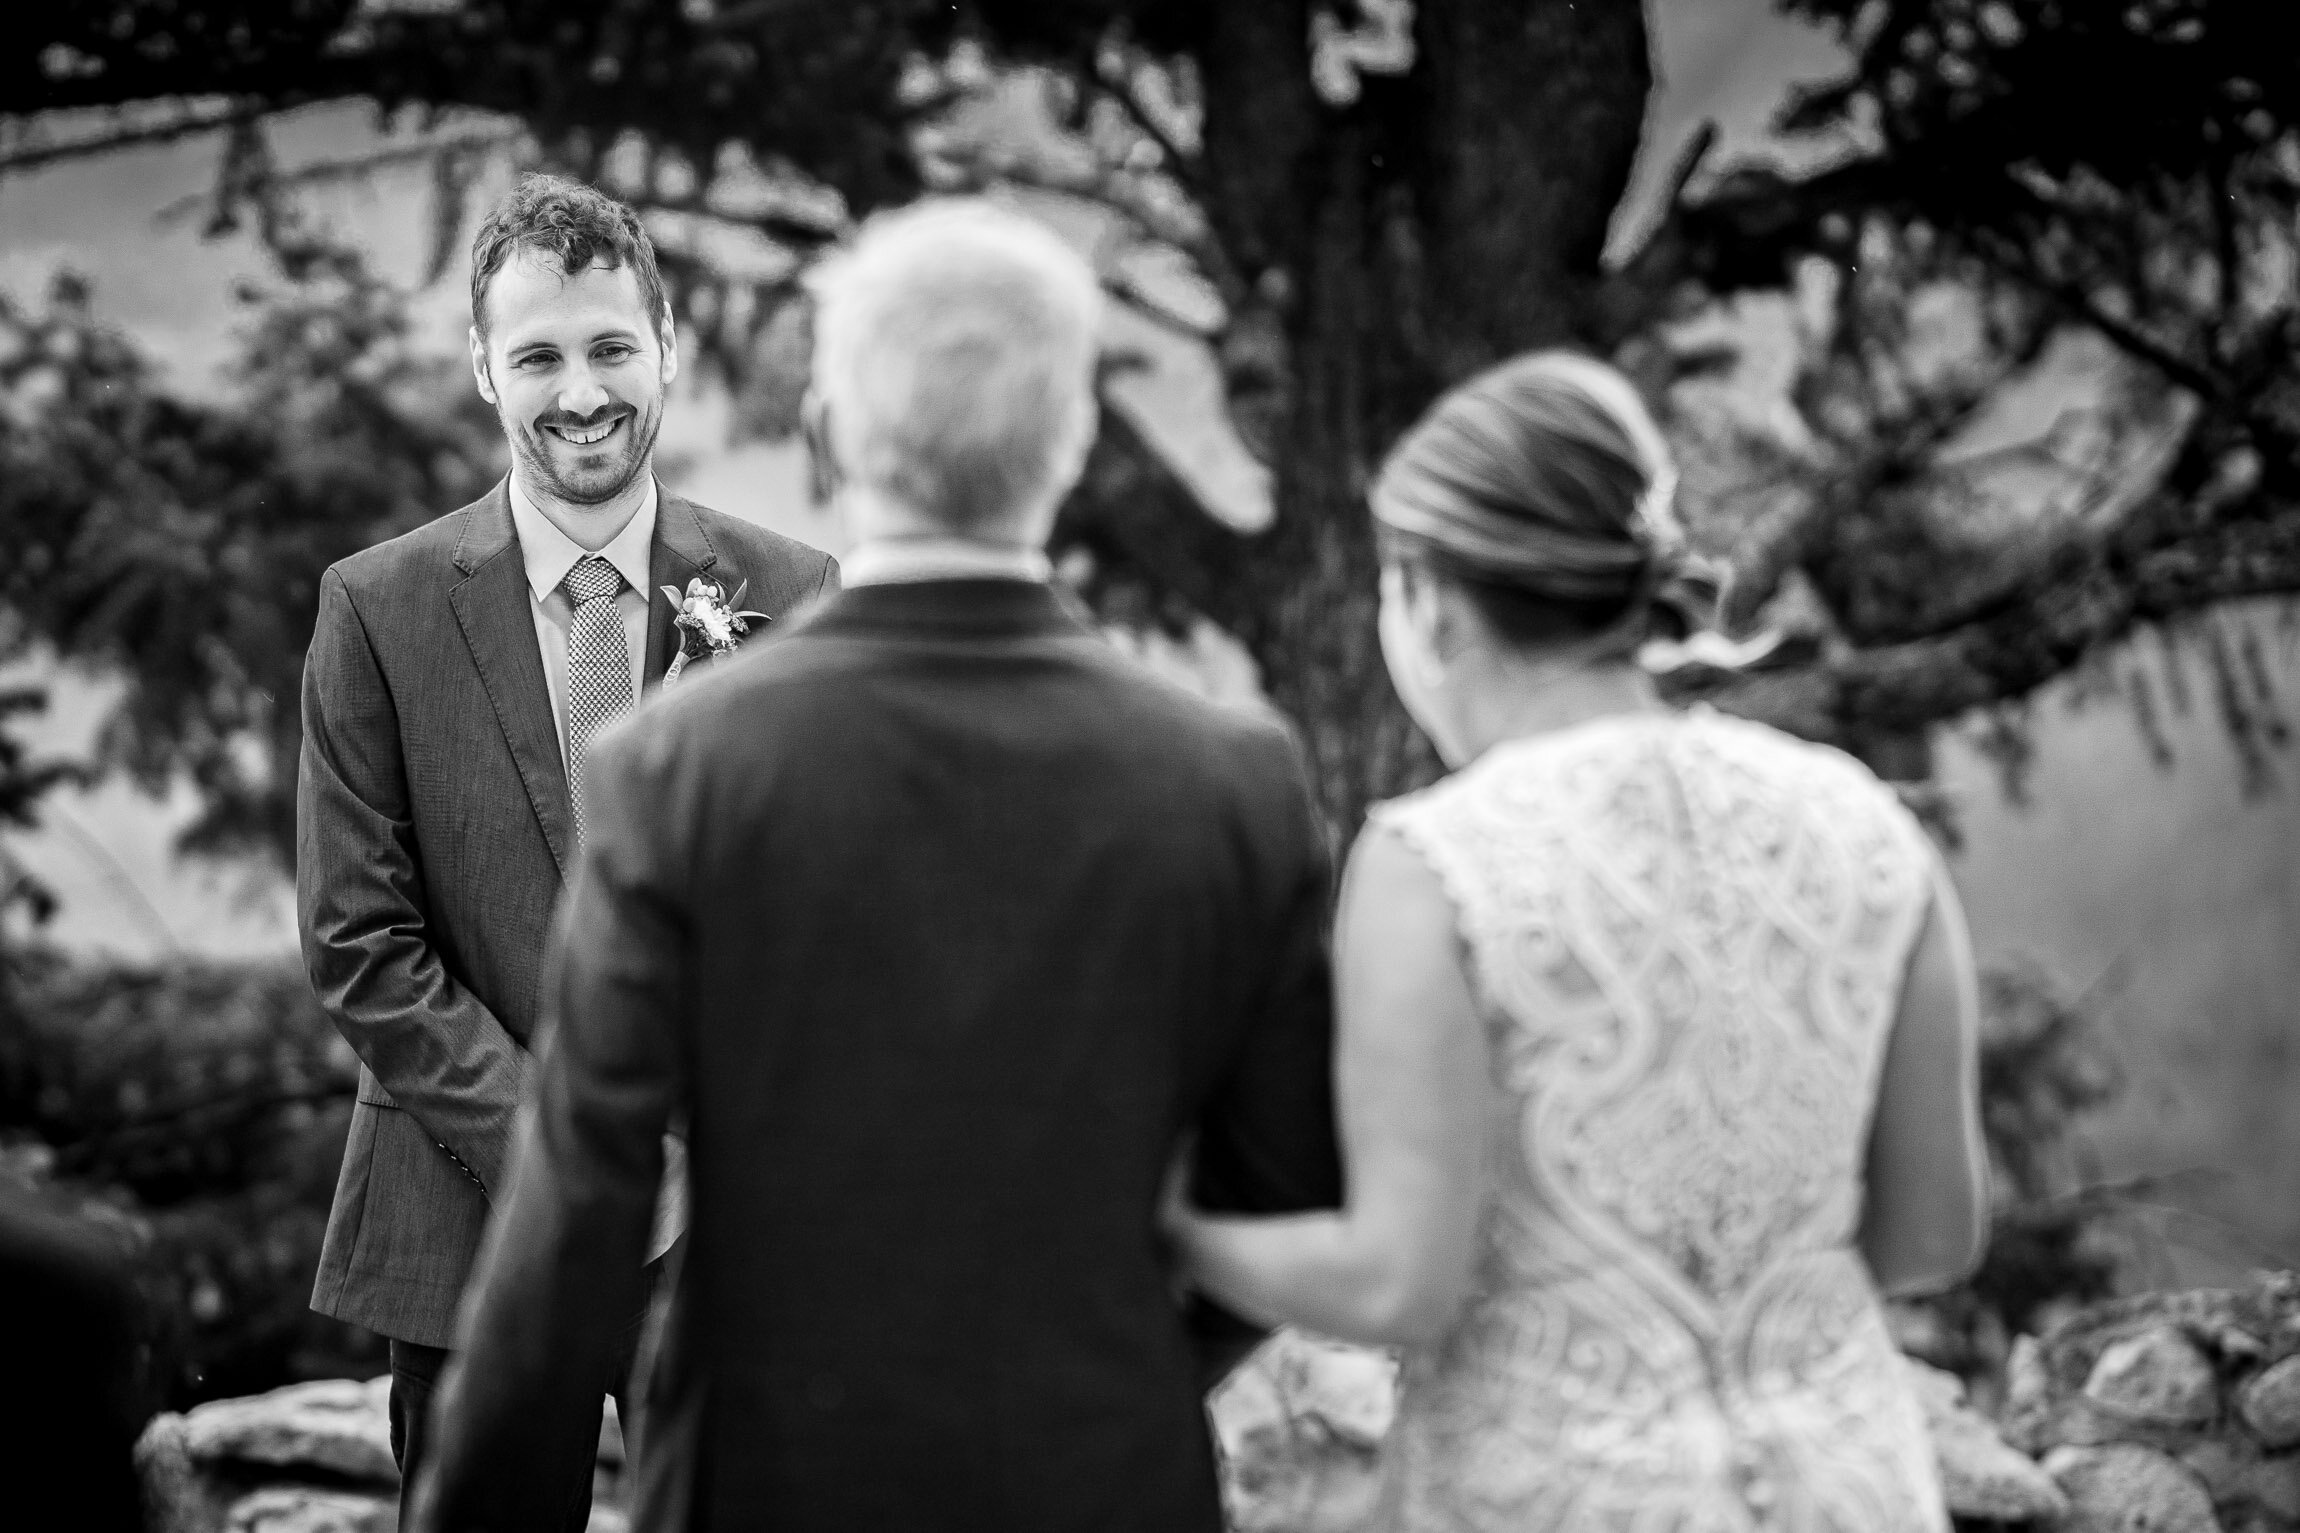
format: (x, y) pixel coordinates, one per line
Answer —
(1540, 488)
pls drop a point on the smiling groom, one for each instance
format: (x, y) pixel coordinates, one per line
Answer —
(455, 677)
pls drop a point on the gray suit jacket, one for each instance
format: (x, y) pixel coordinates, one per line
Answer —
(433, 835)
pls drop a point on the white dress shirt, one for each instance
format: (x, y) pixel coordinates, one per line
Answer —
(901, 561)
(549, 554)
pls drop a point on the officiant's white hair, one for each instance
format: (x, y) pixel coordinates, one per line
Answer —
(954, 355)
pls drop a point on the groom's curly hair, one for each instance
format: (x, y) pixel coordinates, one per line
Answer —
(575, 225)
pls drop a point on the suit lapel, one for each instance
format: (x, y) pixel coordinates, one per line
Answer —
(682, 551)
(492, 606)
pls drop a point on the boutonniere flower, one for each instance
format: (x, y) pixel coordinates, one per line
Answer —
(708, 622)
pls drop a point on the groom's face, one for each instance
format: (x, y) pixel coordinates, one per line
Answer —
(577, 369)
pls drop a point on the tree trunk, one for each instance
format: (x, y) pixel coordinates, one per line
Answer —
(1450, 216)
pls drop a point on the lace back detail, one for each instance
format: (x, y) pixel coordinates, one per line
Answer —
(1688, 934)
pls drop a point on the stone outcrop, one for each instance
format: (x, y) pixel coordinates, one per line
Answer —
(309, 1458)
(2269, 1403)
(2125, 1489)
(1982, 1478)
(1301, 1424)
(2164, 1413)
(338, 1426)
(304, 1509)
(2171, 1412)
(2158, 1376)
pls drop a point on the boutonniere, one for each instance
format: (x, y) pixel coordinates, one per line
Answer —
(708, 623)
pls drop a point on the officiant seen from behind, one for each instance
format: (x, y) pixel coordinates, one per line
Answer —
(944, 923)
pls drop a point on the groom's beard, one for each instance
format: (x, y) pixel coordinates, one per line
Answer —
(586, 476)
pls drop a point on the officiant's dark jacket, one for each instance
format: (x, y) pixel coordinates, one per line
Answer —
(432, 836)
(945, 922)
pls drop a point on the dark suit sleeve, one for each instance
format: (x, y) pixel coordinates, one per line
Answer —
(1266, 1142)
(559, 1276)
(364, 913)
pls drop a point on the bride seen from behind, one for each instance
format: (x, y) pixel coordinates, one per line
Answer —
(1657, 1037)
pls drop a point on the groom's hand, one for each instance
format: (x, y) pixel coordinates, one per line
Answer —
(671, 1199)
(363, 907)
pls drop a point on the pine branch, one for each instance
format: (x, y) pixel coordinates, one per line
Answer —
(1183, 166)
(2094, 593)
(1136, 301)
(358, 166)
(2080, 305)
(803, 235)
(191, 122)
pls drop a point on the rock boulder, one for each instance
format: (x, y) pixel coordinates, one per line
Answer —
(2126, 1489)
(339, 1426)
(2158, 1376)
(1982, 1479)
(305, 1509)
(2270, 1404)
(2150, 1408)
(309, 1458)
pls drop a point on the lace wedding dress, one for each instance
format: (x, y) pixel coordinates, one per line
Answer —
(1688, 936)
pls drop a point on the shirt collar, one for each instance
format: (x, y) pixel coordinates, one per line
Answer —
(549, 553)
(896, 561)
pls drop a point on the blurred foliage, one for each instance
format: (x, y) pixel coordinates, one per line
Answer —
(1325, 196)
(2102, 197)
(179, 542)
(22, 781)
(198, 1112)
(2061, 1235)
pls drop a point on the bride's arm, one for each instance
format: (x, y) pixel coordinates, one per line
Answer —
(1924, 1219)
(1415, 1098)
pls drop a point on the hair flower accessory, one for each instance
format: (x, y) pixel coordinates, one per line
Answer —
(708, 623)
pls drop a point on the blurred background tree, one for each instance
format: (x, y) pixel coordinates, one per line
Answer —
(2031, 175)
(179, 544)
(1367, 202)
(1349, 204)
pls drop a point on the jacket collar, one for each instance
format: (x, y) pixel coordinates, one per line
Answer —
(488, 529)
(991, 608)
(893, 561)
(494, 611)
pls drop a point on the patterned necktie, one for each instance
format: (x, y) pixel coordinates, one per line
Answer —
(598, 667)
